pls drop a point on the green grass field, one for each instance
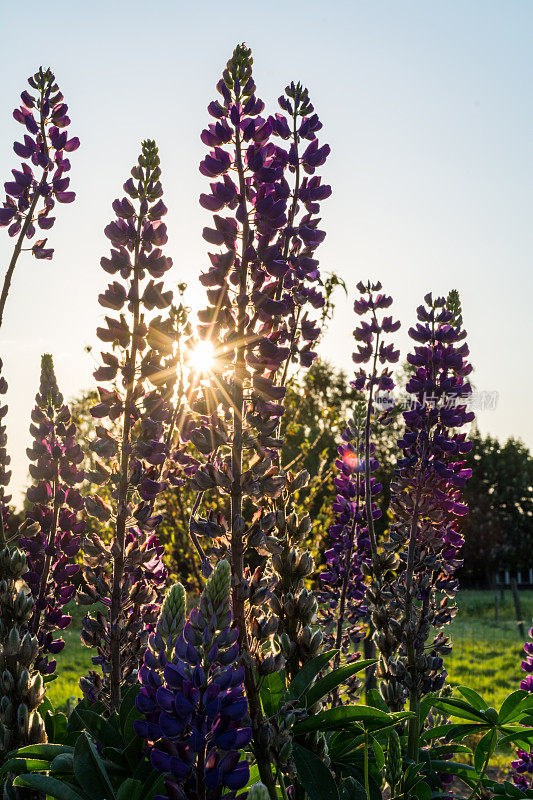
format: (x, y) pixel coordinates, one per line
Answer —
(486, 654)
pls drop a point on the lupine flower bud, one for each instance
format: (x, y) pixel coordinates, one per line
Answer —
(258, 792)
(194, 703)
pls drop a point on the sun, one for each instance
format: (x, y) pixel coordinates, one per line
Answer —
(202, 357)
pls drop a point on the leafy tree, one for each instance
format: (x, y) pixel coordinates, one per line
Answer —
(498, 530)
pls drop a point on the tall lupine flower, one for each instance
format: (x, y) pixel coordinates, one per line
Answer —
(32, 194)
(426, 507)
(354, 549)
(127, 576)
(259, 289)
(523, 764)
(53, 535)
(21, 685)
(194, 701)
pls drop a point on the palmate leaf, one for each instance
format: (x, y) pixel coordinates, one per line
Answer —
(374, 699)
(336, 677)
(466, 772)
(46, 752)
(313, 774)
(50, 787)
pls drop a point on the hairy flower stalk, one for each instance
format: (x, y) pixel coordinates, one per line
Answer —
(193, 698)
(259, 289)
(128, 575)
(426, 506)
(21, 684)
(523, 764)
(53, 534)
(32, 195)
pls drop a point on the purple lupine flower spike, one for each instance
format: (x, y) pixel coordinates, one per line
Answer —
(22, 686)
(128, 575)
(263, 287)
(41, 180)
(351, 535)
(194, 702)
(53, 534)
(426, 508)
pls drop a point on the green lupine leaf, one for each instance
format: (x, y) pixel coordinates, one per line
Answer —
(90, 771)
(313, 774)
(128, 702)
(56, 726)
(347, 716)
(18, 765)
(50, 787)
(272, 691)
(514, 706)
(336, 677)
(62, 764)
(521, 736)
(130, 789)
(484, 748)
(375, 700)
(378, 753)
(459, 708)
(100, 728)
(129, 730)
(44, 752)
(303, 680)
(473, 698)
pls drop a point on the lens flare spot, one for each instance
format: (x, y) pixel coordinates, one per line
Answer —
(351, 460)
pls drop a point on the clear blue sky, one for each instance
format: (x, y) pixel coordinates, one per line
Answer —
(427, 108)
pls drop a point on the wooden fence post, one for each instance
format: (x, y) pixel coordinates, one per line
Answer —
(517, 608)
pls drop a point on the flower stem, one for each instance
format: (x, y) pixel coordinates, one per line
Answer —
(14, 257)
